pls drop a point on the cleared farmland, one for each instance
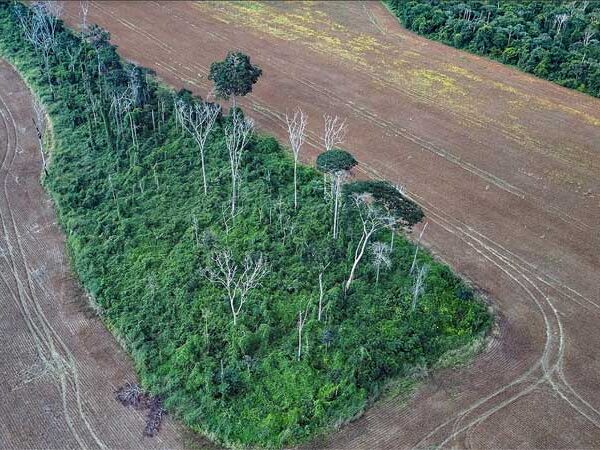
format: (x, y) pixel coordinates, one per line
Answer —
(505, 165)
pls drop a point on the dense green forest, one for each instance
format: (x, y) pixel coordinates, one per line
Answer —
(555, 40)
(240, 311)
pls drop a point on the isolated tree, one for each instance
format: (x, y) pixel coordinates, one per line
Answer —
(198, 120)
(296, 133)
(381, 257)
(234, 76)
(337, 164)
(237, 280)
(372, 219)
(237, 134)
(39, 121)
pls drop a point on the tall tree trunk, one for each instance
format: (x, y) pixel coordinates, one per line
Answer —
(295, 184)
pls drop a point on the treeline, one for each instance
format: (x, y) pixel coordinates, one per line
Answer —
(555, 40)
(264, 300)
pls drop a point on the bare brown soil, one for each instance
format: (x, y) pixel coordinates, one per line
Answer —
(59, 366)
(507, 167)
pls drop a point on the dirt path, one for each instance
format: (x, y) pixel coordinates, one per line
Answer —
(58, 364)
(507, 167)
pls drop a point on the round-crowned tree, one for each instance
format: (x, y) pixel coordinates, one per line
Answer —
(234, 76)
(335, 160)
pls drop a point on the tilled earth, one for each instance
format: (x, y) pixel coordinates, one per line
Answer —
(507, 167)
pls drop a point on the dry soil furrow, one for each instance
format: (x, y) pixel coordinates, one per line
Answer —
(62, 359)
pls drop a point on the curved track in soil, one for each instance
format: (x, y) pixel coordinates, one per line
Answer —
(59, 365)
(507, 167)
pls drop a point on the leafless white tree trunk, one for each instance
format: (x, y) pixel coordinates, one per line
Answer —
(334, 133)
(587, 40)
(302, 316)
(412, 267)
(120, 104)
(587, 36)
(39, 25)
(372, 220)
(73, 55)
(237, 281)
(381, 257)
(296, 132)
(237, 135)
(418, 285)
(338, 180)
(560, 21)
(198, 120)
(84, 7)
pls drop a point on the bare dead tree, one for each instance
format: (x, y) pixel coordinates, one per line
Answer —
(381, 257)
(120, 105)
(412, 267)
(296, 133)
(339, 177)
(418, 285)
(198, 120)
(302, 316)
(588, 35)
(237, 135)
(560, 21)
(237, 281)
(39, 25)
(334, 133)
(372, 220)
(73, 54)
(39, 121)
(228, 219)
(84, 7)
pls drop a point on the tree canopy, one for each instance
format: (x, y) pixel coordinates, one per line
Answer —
(335, 160)
(234, 76)
(555, 40)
